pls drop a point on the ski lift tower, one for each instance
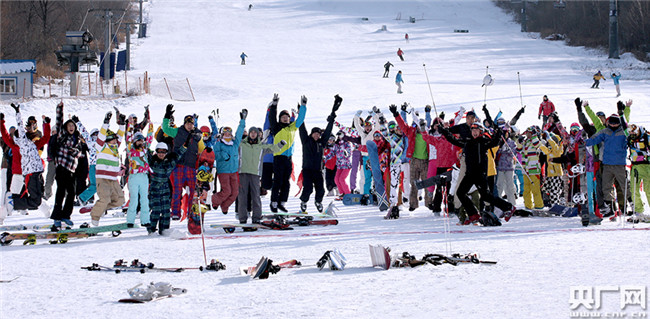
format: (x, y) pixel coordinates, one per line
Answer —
(76, 52)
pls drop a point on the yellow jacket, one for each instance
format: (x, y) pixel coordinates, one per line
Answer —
(555, 150)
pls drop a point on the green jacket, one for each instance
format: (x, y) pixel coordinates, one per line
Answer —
(251, 156)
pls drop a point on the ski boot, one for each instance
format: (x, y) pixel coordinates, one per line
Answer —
(281, 207)
(319, 206)
(56, 226)
(4, 241)
(507, 215)
(274, 207)
(303, 207)
(393, 213)
(214, 265)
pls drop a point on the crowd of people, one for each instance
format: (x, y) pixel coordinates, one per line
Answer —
(477, 167)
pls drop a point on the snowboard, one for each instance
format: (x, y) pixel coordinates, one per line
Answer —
(304, 220)
(333, 259)
(269, 215)
(194, 218)
(270, 225)
(380, 256)
(382, 200)
(154, 296)
(357, 199)
(434, 180)
(24, 227)
(7, 239)
(563, 211)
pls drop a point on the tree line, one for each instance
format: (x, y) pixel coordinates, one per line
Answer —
(35, 29)
(586, 22)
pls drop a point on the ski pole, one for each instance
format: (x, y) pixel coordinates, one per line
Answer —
(485, 94)
(624, 210)
(430, 92)
(635, 175)
(515, 156)
(521, 98)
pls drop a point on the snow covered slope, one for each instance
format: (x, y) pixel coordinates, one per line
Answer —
(319, 49)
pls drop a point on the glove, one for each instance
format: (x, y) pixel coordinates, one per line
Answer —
(578, 103)
(146, 112)
(75, 119)
(620, 106)
(442, 115)
(427, 108)
(275, 99)
(282, 143)
(359, 113)
(303, 100)
(107, 118)
(539, 116)
(2, 116)
(404, 107)
(210, 117)
(521, 139)
(484, 108)
(375, 109)
(337, 103)
(16, 107)
(169, 111)
(382, 120)
(243, 114)
(47, 119)
(331, 117)
(121, 119)
(393, 109)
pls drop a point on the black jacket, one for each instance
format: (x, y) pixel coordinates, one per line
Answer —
(475, 150)
(312, 151)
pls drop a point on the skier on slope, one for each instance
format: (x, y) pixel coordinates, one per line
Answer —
(283, 129)
(617, 78)
(400, 54)
(313, 146)
(243, 57)
(387, 66)
(597, 77)
(399, 81)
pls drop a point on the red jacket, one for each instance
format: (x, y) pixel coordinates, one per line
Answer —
(400, 52)
(445, 151)
(16, 166)
(546, 108)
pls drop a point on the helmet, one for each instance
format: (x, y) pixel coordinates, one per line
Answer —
(161, 146)
(205, 129)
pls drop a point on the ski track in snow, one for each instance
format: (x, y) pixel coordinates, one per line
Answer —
(320, 49)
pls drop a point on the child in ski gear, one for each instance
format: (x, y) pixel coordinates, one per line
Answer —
(184, 175)
(67, 148)
(108, 168)
(162, 163)
(226, 152)
(545, 109)
(313, 146)
(617, 78)
(249, 175)
(387, 66)
(597, 77)
(475, 152)
(137, 151)
(399, 81)
(283, 129)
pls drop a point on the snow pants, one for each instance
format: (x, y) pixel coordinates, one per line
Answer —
(640, 174)
(437, 198)
(32, 193)
(356, 160)
(532, 192)
(65, 193)
(419, 170)
(139, 194)
(182, 176)
(395, 171)
(554, 187)
(267, 175)
(49, 178)
(312, 179)
(110, 195)
(519, 181)
(92, 186)
(480, 181)
(282, 167)
(616, 174)
(367, 174)
(229, 190)
(330, 178)
(340, 180)
(591, 191)
(249, 189)
(160, 203)
(506, 184)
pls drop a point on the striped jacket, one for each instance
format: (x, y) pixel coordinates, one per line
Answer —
(530, 155)
(108, 158)
(139, 160)
(91, 141)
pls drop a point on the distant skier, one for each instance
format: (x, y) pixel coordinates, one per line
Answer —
(399, 81)
(250, 6)
(545, 109)
(387, 68)
(617, 78)
(243, 57)
(597, 77)
(400, 54)
(406, 37)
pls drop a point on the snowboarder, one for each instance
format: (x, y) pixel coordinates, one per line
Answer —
(399, 81)
(400, 54)
(227, 158)
(617, 79)
(387, 68)
(243, 57)
(250, 7)
(597, 77)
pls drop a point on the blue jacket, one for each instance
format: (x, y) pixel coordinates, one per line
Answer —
(398, 78)
(616, 79)
(227, 156)
(212, 140)
(614, 147)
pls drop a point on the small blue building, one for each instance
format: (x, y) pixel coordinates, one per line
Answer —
(17, 79)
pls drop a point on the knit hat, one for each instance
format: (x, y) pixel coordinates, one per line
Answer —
(110, 135)
(138, 137)
(284, 112)
(614, 119)
(188, 118)
(471, 113)
(161, 146)
(316, 130)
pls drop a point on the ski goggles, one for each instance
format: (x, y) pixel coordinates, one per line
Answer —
(161, 151)
(392, 126)
(226, 130)
(377, 134)
(601, 114)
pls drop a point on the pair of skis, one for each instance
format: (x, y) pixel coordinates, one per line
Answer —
(136, 266)
(380, 257)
